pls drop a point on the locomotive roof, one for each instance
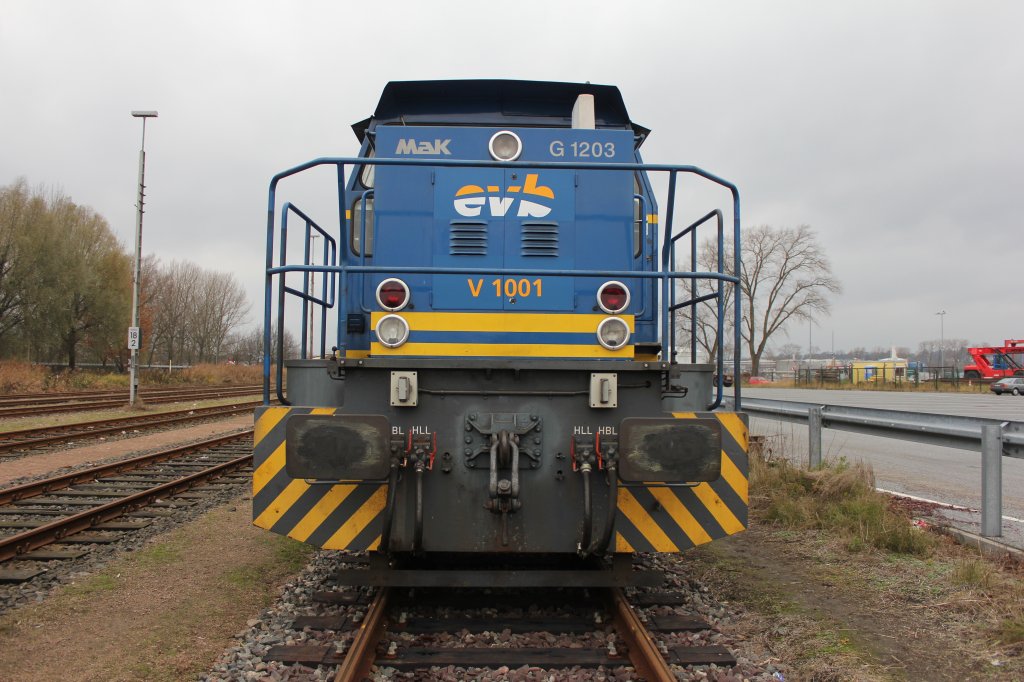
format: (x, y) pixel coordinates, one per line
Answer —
(495, 102)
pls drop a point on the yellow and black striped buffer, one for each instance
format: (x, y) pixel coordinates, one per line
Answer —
(545, 335)
(658, 518)
(328, 516)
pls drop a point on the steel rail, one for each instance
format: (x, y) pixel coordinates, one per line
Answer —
(20, 543)
(643, 652)
(21, 492)
(70, 396)
(932, 429)
(115, 403)
(363, 651)
(28, 438)
(993, 438)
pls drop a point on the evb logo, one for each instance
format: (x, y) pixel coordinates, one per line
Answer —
(472, 200)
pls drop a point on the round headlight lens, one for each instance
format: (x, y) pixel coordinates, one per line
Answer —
(613, 333)
(392, 294)
(505, 146)
(613, 297)
(392, 331)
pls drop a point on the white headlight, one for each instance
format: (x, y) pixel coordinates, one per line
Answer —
(505, 146)
(392, 331)
(613, 333)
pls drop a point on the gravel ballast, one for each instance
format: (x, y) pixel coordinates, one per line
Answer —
(274, 626)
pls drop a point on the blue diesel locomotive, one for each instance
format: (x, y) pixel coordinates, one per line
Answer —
(497, 369)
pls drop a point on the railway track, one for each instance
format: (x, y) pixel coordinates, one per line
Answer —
(15, 443)
(50, 404)
(480, 632)
(86, 506)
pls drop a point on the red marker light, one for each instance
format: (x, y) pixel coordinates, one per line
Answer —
(392, 294)
(613, 297)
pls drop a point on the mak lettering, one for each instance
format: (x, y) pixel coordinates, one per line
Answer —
(411, 146)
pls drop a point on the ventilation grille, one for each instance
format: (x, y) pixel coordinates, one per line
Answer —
(539, 239)
(468, 238)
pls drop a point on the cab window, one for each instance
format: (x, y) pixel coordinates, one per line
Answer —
(356, 235)
(638, 218)
(366, 179)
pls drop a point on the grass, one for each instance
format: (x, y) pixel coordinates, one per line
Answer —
(838, 497)
(972, 572)
(93, 585)
(839, 500)
(832, 644)
(290, 556)
(23, 377)
(161, 554)
(1011, 630)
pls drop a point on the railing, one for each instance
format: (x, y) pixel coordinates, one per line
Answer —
(326, 300)
(994, 438)
(666, 276)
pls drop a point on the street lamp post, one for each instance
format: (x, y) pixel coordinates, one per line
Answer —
(134, 337)
(942, 339)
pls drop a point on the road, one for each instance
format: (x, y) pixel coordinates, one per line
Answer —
(945, 474)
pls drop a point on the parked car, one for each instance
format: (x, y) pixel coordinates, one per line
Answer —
(753, 381)
(726, 380)
(1013, 385)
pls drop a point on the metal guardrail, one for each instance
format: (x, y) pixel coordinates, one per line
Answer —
(994, 438)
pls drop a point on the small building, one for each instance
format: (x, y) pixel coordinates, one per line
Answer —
(892, 369)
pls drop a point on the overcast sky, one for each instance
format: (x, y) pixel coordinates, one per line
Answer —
(894, 129)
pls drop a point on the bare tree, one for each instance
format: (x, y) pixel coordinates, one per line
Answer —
(784, 275)
(247, 347)
(220, 306)
(191, 312)
(705, 313)
(171, 310)
(787, 351)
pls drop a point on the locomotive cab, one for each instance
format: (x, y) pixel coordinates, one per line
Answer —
(502, 308)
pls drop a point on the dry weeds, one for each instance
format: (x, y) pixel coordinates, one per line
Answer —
(840, 586)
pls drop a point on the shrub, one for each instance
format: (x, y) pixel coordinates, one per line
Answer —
(838, 497)
(21, 377)
(219, 375)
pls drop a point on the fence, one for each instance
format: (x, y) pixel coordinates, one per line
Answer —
(994, 438)
(879, 374)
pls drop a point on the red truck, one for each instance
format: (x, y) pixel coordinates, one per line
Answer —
(995, 362)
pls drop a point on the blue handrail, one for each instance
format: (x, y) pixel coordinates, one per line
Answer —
(329, 256)
(667, 268)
